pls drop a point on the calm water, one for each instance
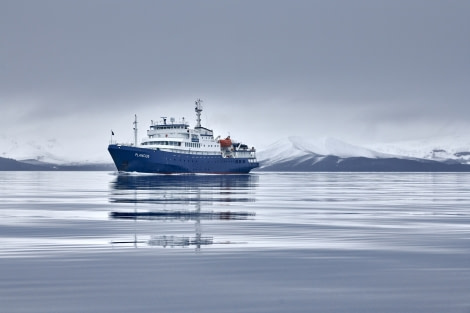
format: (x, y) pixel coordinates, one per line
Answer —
(265, 242)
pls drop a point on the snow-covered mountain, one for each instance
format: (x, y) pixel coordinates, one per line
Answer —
(330, 154)
(49, 155)
(50, 151)
(295, 147)
(450, 153)
(443, 149)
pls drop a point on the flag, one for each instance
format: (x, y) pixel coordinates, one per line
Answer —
(112, 133)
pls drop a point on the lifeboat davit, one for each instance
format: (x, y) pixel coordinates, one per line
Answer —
(225, 143)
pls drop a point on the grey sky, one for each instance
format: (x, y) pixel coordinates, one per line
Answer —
(361, 71)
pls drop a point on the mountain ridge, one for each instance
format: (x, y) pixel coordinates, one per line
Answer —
(296, 153)
(330, 154)
(8, 164)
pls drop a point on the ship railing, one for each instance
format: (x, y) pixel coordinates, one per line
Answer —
(237, 154)
(245, 154)
(190, 151)
(167, 135)
(125, 144)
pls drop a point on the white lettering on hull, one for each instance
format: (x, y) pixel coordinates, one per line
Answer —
(142, 155)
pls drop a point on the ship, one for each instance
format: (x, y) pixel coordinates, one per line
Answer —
(174, 148)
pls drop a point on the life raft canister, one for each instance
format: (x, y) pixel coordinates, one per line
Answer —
(225, 143)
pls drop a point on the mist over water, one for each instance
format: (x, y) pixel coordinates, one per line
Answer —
(266, 242)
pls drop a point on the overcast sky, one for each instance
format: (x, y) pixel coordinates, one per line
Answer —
(360, 71)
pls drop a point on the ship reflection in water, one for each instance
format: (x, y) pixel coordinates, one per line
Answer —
(159, 199)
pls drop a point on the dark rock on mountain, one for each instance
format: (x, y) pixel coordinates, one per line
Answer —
(362, 164)
(34, 165)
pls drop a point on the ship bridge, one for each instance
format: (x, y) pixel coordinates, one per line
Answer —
(204, 131)
(164, 130)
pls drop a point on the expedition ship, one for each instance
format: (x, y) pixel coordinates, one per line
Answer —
(177, 148)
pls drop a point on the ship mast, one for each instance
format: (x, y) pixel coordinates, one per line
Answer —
(135, 131)
(198, 110)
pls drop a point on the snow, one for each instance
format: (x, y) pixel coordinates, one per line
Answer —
(296, 147)
(47, 150)
(442, 148)
(446, 148)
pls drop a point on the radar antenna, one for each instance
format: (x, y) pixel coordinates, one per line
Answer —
(198, 110)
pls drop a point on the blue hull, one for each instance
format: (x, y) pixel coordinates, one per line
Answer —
(133, 159)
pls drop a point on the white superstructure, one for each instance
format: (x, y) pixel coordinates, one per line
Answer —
(180, 138)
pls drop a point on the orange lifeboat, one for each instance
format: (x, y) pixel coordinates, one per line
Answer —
(225, 143)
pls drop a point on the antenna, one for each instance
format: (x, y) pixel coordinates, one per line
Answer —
(135, 131)
(198, 110)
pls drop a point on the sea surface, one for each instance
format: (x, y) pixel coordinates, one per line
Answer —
(264, 242)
